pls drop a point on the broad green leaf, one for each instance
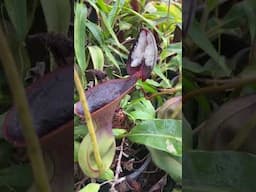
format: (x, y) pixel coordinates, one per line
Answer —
(17, 11)
(57, 15)
(79, 35)
(170, 164)
(97, 57)
(161, 134)
(223, 171)
(140, 109)
(92, 187)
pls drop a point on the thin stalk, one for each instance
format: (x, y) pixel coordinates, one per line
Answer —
(170, 91)
(214, 89)
(89, 121)
(21, 103)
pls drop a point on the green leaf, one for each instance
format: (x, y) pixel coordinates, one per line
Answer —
(57, 15)
(141, 17)
(97, 57)
(168, 163)
(95, 31)
(103, 6)
(79, 35)
(160, 134)
(2, 118)
(192, 66)
(110, 57)
(235, 16)
(123, 26)
(158, 71)
(76, 149)
(250, 7)
(170, 50)
(202, 101)
(92, 187)
(212, 4)
(80, 131)
(200, 38)
(114, 11)
(119, 133)
(17, 11)
(147, 85)
(112, 33)
(6, 152)
(16, 175)
(107, 175)
(223, 171)
(124, 102)
(187, 136)
(140, 109)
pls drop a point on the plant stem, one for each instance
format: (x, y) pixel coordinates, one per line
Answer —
(21, 103)
(213, 89)
(89, 122)
(170, 91)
